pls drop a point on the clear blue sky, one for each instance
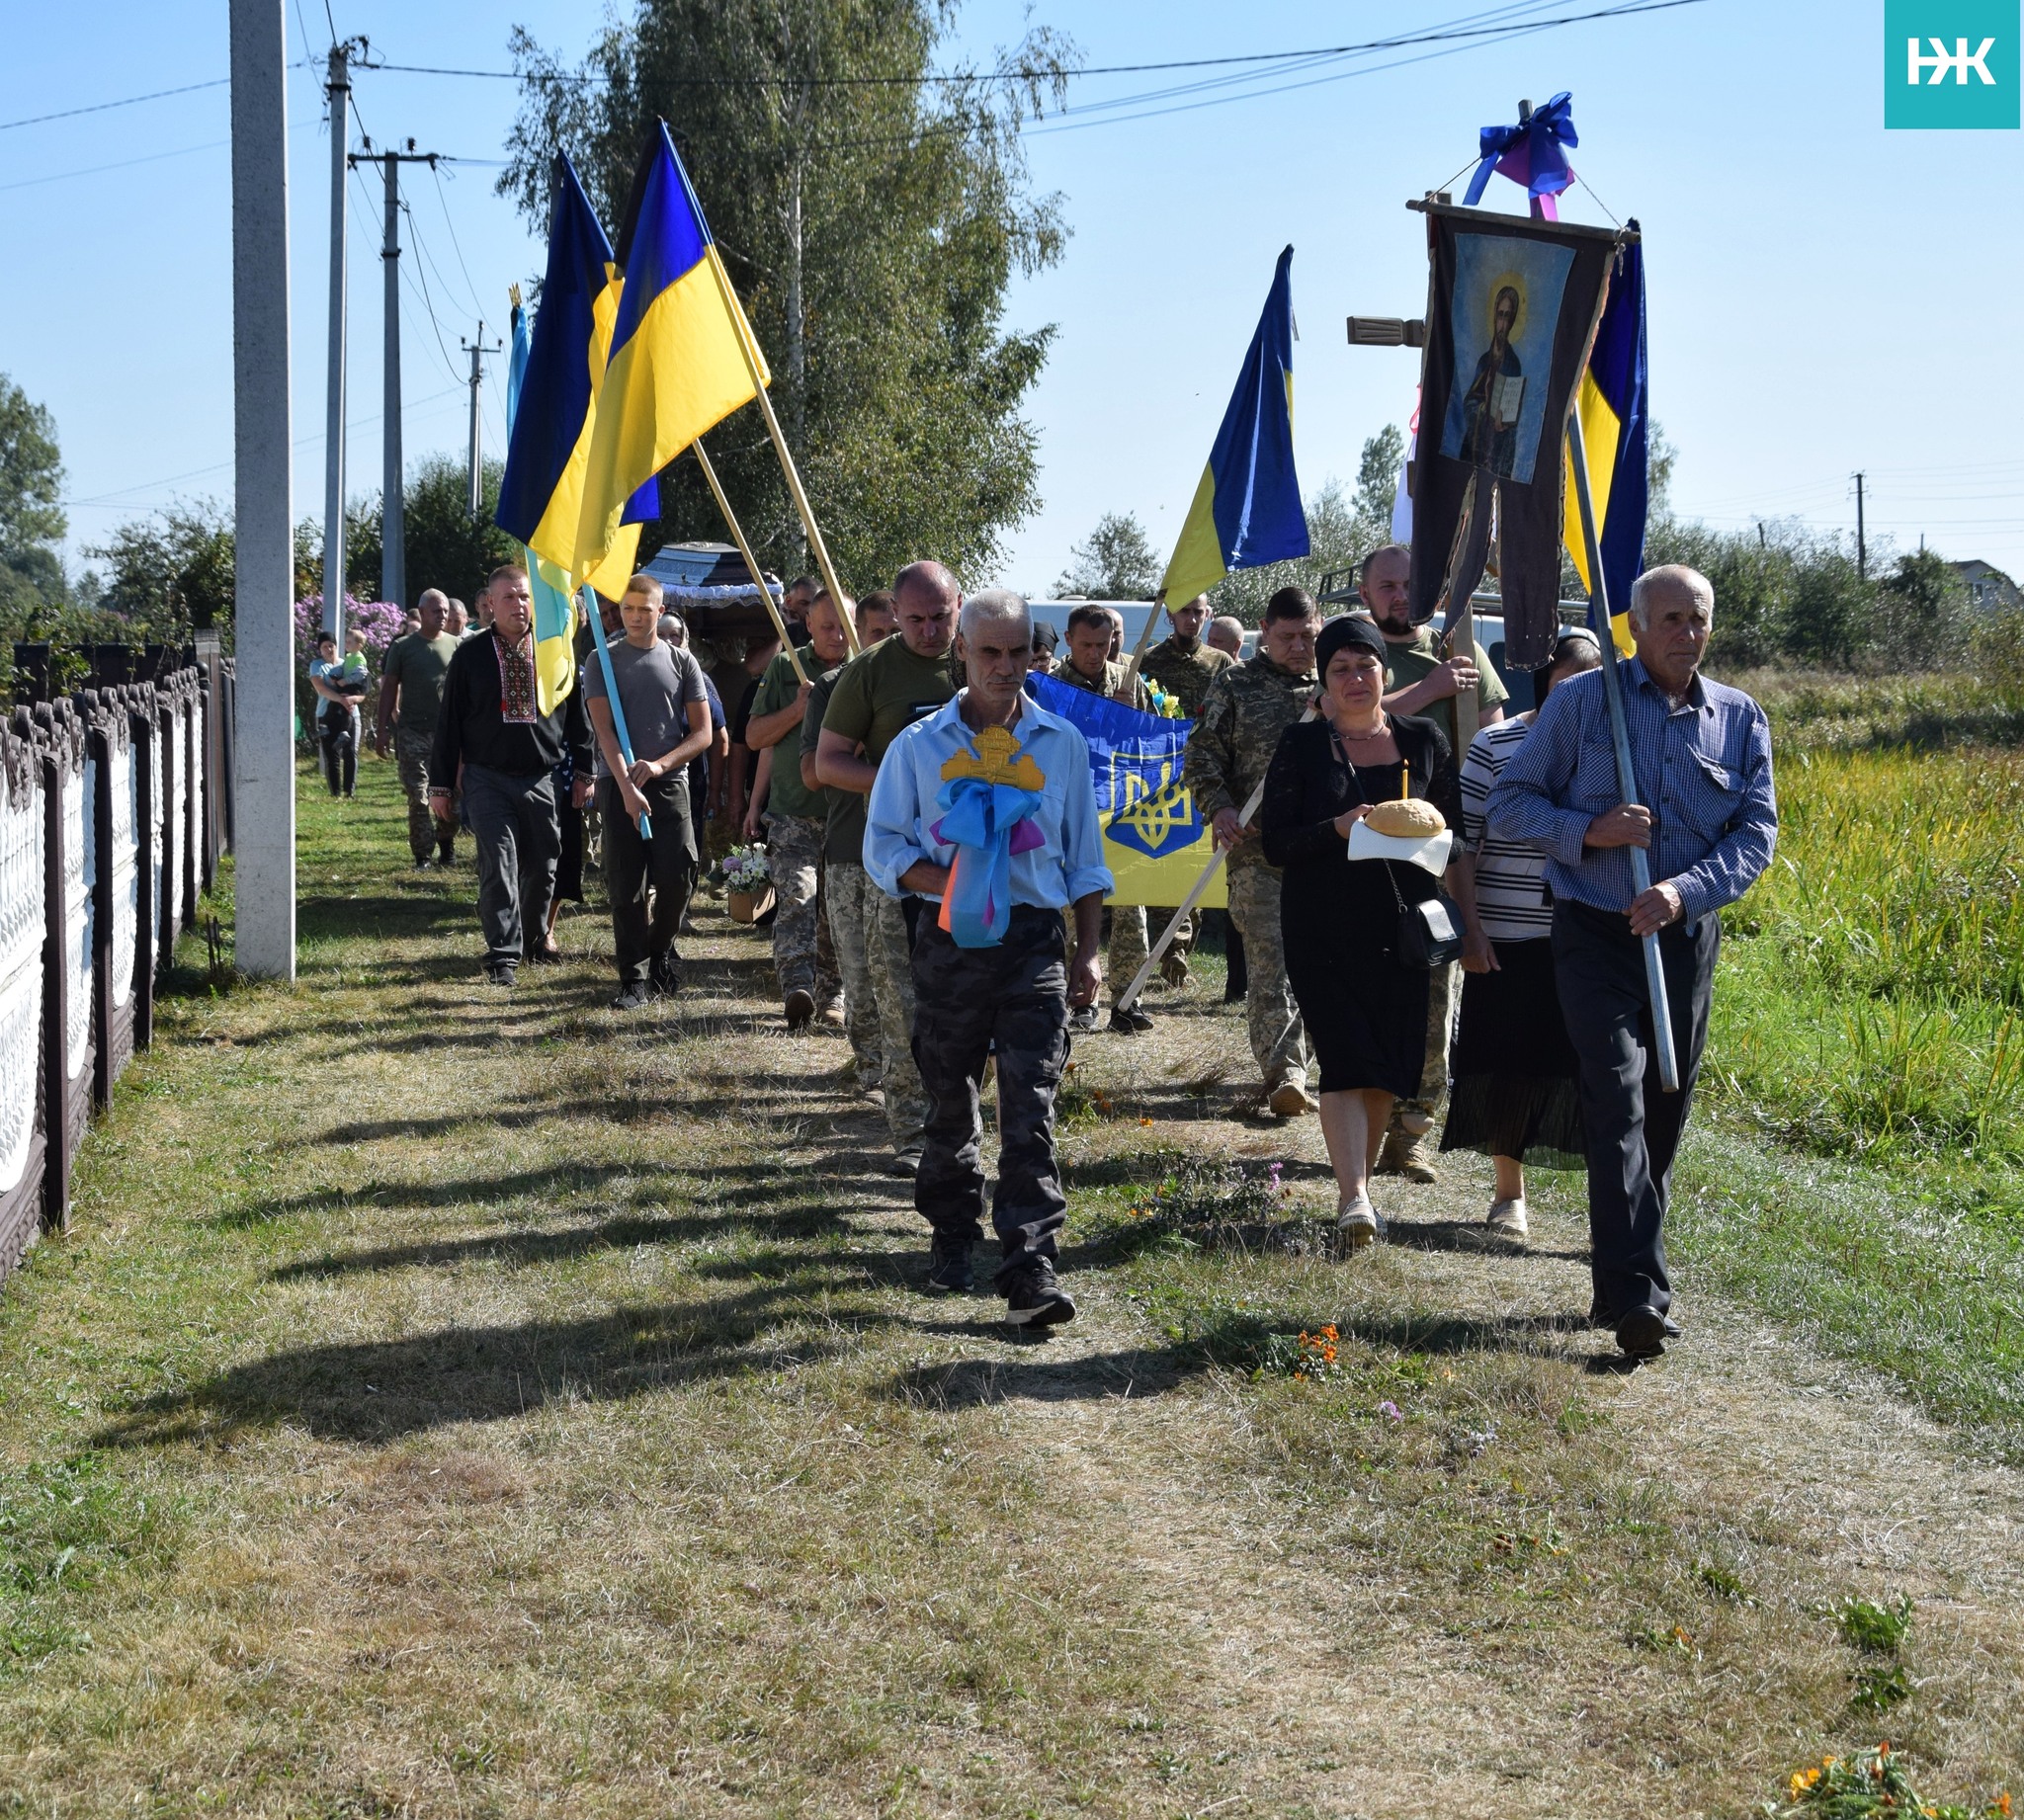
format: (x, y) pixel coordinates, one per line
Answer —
(1825, 296)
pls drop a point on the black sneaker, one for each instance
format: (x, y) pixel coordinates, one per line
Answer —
(949, 1272)
(501, 975)
(665, 974)
(630, 996)
(445, 852)
(1130, 1021)
(1082, 1017)
(1036, 1300)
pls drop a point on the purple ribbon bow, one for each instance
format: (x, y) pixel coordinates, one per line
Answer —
(1530, 153)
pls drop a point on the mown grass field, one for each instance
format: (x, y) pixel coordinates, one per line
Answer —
(455, 1403)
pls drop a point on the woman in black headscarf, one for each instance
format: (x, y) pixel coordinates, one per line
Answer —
(1364, 1007)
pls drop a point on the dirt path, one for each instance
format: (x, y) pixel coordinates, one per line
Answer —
(454, 1404)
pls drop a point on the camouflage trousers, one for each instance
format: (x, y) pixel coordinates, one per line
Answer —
(864, 922)
(794, 856)
(411, 753)
(847, 893)
(1011, 1002)
(1276, 1039)
(1419, 1113)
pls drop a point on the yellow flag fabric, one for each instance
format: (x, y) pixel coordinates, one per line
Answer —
(682, 358)
(1601, 432)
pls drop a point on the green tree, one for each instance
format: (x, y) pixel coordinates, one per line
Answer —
(1117, 562)
(32, 520)
(444, 546)
(1377, 486)
(1332, 546)
(169, 573)
(870, 221)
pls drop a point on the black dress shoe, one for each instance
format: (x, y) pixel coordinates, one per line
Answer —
(1642, 1334)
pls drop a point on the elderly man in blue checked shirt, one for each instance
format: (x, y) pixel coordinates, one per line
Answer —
(995, 982)
(1705, 814)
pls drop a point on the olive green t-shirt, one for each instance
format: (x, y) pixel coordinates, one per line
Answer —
(845, 838)
(1407, 664)
(883, 690)
(419, 666)
(787, 794)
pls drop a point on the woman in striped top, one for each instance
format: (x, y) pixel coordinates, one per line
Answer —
(1514, 1094)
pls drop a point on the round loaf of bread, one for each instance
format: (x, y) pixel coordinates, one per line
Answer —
(1409, 818)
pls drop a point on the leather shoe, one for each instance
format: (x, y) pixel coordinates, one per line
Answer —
(1642, 1334)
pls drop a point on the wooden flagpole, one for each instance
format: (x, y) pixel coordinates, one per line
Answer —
(1144, 642)
(750, 350)
(752, 567)
(1620, 738)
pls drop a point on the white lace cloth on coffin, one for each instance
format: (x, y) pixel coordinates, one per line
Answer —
(1429, 852)
(79, 875)
(124, 860)
(22, 888)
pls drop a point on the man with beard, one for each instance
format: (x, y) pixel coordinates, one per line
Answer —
(1420, 681)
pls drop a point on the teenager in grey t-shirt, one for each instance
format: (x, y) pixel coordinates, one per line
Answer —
(654, 685)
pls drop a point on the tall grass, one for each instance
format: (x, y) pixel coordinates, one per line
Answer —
(1875, 1004)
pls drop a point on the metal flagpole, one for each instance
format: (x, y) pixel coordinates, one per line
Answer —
(1129, 996)
(619, 730)
(730, 518)
(1619, 738)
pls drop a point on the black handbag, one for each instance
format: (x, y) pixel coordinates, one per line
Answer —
(1429, 932)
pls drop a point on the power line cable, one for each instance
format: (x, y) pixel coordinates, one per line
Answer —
(450, 222)
(103, 107)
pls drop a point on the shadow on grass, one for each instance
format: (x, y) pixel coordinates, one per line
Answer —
(759, 1186)
(378, 1390)
(1471, 1237)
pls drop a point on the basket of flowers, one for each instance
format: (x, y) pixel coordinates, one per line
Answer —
(747, 883)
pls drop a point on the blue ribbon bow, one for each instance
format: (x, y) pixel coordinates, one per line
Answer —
(1530, 153)
(986, 823)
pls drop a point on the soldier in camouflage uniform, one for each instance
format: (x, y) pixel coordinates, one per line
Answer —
(1243, 716)
(1183, 666)
(797, 817)
(1089, 667)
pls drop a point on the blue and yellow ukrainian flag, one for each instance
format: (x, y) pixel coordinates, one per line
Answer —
(683, 357)
(540, 499)
(1153, 841)
(554, 619)
(1615, 411)
(1247, 510)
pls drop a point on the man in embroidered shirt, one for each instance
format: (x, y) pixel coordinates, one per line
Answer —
(494, 743)
(1010, 995)
(1706, 816)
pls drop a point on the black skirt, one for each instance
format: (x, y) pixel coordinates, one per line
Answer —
(1515, 1091)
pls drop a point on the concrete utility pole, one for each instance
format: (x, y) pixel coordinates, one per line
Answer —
(338, 88)
(478, 352)
(392, 525)
(263, 557)
(1862, 548)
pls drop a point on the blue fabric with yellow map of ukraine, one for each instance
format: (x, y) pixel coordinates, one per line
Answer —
(1153, 841)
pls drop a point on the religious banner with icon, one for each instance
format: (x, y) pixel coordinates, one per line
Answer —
(1512, 310)
(1154, 840)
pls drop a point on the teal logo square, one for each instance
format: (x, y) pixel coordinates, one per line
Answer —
(1950, 65)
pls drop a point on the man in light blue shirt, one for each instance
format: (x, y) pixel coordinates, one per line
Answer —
(989, 775)
(1705, 814)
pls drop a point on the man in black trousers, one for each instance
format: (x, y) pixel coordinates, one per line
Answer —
(491, 734)
(1705, 814)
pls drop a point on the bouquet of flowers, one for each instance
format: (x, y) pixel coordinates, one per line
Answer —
(745, 870)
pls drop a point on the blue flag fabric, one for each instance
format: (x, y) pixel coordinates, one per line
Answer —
(1154, 840)
(1246, 508)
